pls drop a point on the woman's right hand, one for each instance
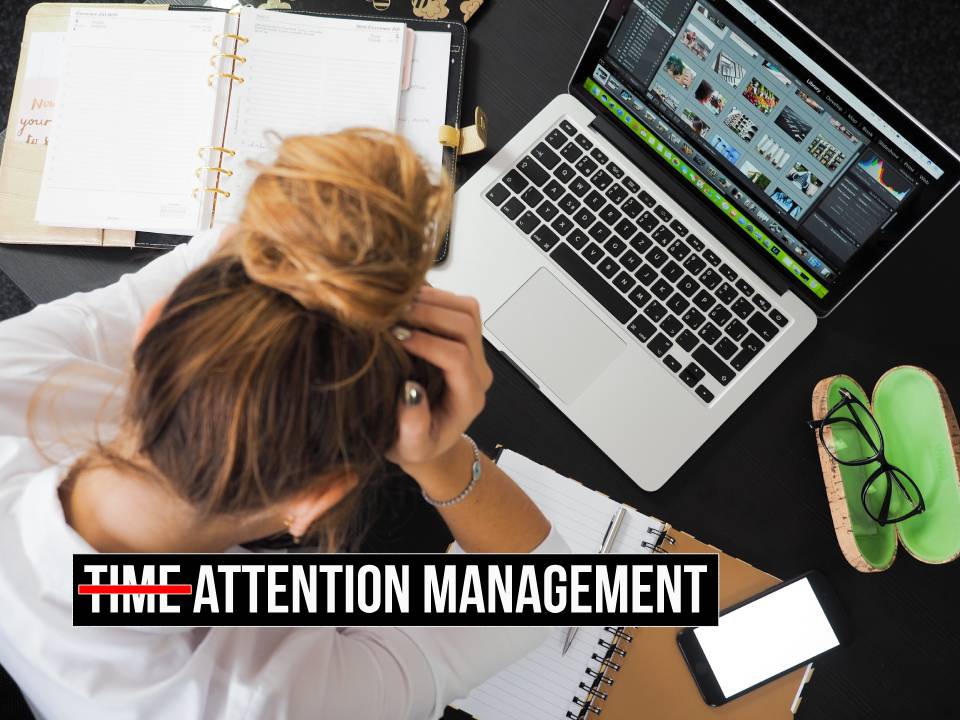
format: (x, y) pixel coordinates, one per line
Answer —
(446, 332)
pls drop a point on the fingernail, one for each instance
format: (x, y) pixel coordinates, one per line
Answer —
(401, 333)
(412, 393)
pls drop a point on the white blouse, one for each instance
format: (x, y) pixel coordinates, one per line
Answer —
(71, 355)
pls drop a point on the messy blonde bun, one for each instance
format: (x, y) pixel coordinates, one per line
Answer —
(348, 222)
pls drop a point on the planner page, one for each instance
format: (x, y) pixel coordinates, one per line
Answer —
(541, 685)
(136, 103)
(423, 107)
(307, 75)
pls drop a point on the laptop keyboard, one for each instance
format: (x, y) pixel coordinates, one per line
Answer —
(668, 287)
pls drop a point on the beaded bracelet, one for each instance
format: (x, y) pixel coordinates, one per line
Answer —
(474, 479)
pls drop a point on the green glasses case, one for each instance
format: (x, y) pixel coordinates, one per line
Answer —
(921, 437)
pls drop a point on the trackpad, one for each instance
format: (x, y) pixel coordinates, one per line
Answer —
(555, 335)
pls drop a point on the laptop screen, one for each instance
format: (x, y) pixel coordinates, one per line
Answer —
(813, 168)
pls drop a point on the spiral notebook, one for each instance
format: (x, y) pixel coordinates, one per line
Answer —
(617, 673)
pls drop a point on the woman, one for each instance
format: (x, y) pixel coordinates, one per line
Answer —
(264, 377)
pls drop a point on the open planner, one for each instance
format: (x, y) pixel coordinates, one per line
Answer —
(158, 115)
(618, 673)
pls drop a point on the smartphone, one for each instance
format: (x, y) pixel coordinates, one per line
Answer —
(764, 637)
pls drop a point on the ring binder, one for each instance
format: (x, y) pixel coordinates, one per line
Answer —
(601, 675)
(219, 56)
(586, 705)
(218, 191)
(612, 647)
(217, 39)
(594, 691)
(223, 150)
(619, 634)
(232, 77)
(221, 170)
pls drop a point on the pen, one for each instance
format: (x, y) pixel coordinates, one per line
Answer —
(605, 547)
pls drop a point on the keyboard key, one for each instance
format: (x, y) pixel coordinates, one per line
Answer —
(779, 318)
(625, 229)
(687, 340)
(547, 157)
(663, 213)
(670, 325)
(695, 265)
(615, 246)
(726, 348)
(696, 243)
(704, 300)
(743, 358)
(616, 194)
(646, 274)
(554, 190)
(663, 235)
(586, 166)
(642, 328)
(762, 327)
(720, 315)
(720, 371)
(660, 345)
(545, 238)
(562, 224)
(611, 215)
(692, 375)
(595, 201)
(512, 208)
(728, 272)
(761, 302)
(736, 330)
(679, 228)
(711, 257)
(656, 257)
(752, 343)
(725, 293)
(672, 271)
(624, 281)
(709, 333)
(568, 127)
(630, 260)
(599, 232)
(662, 289)
(615, 303)
(571, 153)
(532, 197)
(608, 267)
(583, 142)
(584, 218)
(693, 318)
(710, 279)
(688, 286)
(548, 211)
(615, 170)
(564, 173)
(648, 221)
(592, 253)
(671, 362)
(742, 308)
(646, 198)
(602, 179)
(641, 243)
(497, 194)
(579, 187)
(570, 205)
(578, 239)
(631, 208)
(639, 296)
(557, 138)
(745, 287)
(655, 311)
(598, 155)
(533, 172)
(630, 184)
(528, 222)
(678, 303)
(679, 250)
(704, 394)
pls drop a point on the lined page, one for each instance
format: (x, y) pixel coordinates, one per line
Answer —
(308, 75)
(423, 108)
(542, 685)
(133, 108)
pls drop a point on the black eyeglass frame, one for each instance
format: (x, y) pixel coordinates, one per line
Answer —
(887, 469)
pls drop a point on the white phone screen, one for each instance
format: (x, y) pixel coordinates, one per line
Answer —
(766, 637)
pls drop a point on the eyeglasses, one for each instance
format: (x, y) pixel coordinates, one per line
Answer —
(857, 441)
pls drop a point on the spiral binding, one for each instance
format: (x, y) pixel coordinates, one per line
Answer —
(661, 536)
(601, 675)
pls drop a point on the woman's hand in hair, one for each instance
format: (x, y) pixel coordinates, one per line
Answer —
(447, 334)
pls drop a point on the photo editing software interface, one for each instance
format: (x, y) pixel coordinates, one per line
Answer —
(796, 167)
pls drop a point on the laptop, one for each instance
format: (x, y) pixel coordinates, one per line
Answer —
(659, 239)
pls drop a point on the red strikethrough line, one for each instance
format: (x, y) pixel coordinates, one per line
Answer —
(135, 589)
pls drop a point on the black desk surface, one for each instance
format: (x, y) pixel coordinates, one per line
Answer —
(754, 489)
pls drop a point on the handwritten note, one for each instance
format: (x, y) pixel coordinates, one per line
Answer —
(39, 91)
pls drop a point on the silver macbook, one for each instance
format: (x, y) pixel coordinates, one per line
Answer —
(656, 241)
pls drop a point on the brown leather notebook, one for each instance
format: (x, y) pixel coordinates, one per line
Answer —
(653, 678)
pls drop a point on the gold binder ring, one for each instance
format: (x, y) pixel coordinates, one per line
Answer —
(218, 191)
(237, 58)
(217, 39)
(222, 171)
(231, 76)
(225, 151)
